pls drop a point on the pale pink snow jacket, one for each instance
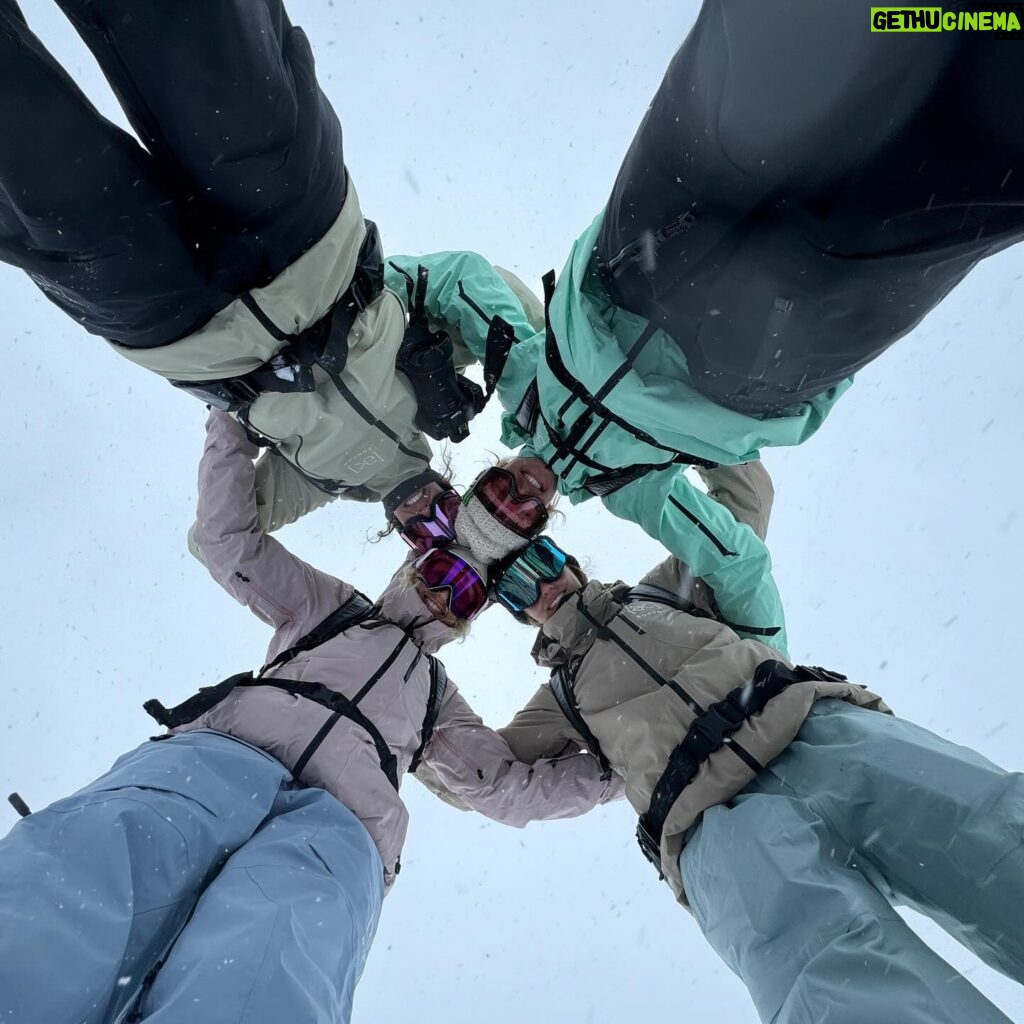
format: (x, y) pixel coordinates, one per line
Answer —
(293, 597)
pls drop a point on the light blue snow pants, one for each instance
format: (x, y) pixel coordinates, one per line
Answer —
(793, 881)
(94, 888)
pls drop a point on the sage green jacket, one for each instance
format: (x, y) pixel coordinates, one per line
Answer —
(362, 433)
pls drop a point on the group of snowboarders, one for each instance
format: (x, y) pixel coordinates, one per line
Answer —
(768, 235)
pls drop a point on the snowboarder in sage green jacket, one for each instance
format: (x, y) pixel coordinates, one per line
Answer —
(254, 282)
(228, 253)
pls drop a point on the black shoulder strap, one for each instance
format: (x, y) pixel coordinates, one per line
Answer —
(661, 595)
(709, 731)
(603, 484)
(595, 403)
(501, 336)
(528, 411)
(438, 688)
(196, 705)
(562, 686)
(358, 608)
(341, 707)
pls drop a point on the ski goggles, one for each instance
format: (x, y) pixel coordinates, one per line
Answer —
(495, 489)
(441, 569)
(436, 527)
(517, 586)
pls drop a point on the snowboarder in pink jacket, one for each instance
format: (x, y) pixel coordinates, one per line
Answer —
(235, 868)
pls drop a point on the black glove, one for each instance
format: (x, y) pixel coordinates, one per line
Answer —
(446, 401)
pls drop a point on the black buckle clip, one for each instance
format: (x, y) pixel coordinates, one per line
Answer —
(602, 484)
(815, 673)
(366, 285)
(16, 801)
(285, 371)
(650, 846)
(715, 727)
(227, 395)
(361, 291)
(528, 411)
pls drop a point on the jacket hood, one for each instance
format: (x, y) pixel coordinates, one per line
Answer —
(400, 604)
(569, 633)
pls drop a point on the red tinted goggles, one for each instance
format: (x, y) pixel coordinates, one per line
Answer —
(442, 569)
(495, 489)
(436, 527)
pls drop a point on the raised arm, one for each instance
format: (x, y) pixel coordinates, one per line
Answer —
(540, 730)
(250, 565)
(283, 494)
(477, 765)
(746, 490)
(485, 292)
(704, 535)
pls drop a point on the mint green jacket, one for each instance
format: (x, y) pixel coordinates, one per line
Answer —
(652, 399)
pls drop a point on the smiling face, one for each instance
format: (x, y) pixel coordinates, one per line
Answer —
(534, 478)
(418, 503)
(552, 594)
(451, 586)
(533, 489)
(436, 602)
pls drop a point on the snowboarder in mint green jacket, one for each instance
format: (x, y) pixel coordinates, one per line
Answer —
(633, 449)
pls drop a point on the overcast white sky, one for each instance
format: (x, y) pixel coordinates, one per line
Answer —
(499, 128)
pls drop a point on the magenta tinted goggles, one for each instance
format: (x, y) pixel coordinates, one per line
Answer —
(442, 570)
(436, 527)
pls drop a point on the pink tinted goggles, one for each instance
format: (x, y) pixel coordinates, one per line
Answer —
(495, 489)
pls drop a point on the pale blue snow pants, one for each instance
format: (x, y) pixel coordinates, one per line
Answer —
(94, 888)
(793, 881)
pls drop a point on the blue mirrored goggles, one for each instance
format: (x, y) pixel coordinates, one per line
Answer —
(517, 586)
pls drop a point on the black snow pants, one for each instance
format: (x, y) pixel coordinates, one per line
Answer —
(239, 172)
(802, 191)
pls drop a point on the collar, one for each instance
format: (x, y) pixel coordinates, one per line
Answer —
(571, 631)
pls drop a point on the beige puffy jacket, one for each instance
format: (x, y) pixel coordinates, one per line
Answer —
(637, 720)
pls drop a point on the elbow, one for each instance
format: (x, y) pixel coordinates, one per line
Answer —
(202, 538)
(471, 261)
(195, 545)
(224, 555)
